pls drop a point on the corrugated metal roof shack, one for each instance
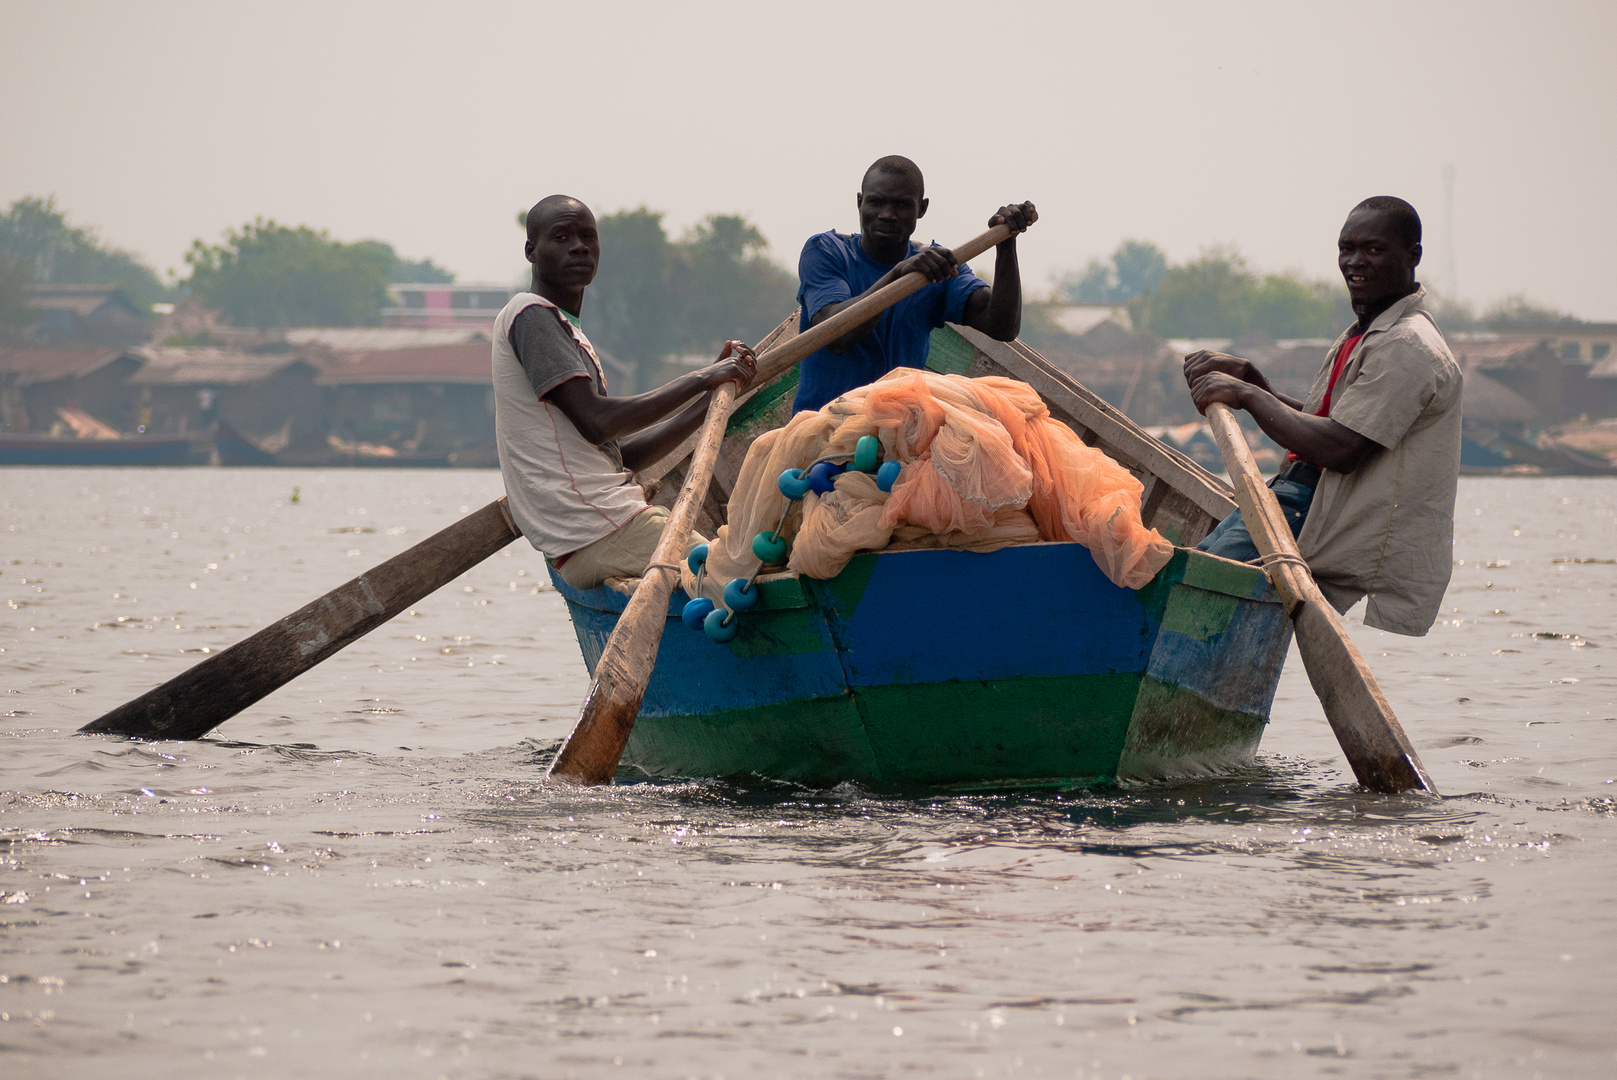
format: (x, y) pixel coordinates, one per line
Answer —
(436, 399)
(77, 315)
(36, 382)
(1565, 369)
(266, 396)
(1530, 369)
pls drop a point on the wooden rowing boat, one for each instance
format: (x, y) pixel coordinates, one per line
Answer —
(1020, 667)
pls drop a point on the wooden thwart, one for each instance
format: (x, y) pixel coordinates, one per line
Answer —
(591, 753)
(1375, 744)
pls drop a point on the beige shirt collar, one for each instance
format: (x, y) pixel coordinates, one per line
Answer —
(1409, 305)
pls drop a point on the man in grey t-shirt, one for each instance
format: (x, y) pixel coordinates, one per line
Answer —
(567, 448)
(1370, 483)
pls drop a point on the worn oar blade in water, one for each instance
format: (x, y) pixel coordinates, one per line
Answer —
(591, 753)
(205, 696)
(1370, 735)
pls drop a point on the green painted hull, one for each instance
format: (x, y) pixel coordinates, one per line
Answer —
(1072, 681)
(1021, 667)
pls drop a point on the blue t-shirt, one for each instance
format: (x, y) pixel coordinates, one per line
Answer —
(834, 268)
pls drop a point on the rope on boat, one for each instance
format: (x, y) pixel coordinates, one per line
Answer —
(1283, 558)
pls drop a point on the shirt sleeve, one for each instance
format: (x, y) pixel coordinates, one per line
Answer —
(1397, 379)
(546, 349)
(956, 291)
(822, 277)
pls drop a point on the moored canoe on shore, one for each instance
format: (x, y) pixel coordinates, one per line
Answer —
(145, 450)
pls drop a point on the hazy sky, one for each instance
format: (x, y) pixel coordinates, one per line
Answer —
(1189, 124)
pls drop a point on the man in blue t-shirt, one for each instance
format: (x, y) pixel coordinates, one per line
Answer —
(836, 270)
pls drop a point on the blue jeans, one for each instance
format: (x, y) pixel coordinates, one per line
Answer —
(1230, 538)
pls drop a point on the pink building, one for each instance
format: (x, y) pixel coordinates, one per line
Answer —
(444, 305)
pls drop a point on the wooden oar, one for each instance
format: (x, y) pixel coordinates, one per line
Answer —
(198, 700)
(591, 753)
(1370, 735)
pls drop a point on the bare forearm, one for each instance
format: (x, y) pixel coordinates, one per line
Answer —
(1004, 316)
(602, 419)
(1316, 439)
(651, 445)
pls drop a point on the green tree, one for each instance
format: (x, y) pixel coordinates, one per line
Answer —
(1452, 315)
(1135, 268)
(1517, 310)
(1289, 307)
(654, 297)
(421, 272)
(1218, 295)
(1208, 297)
(417, 272)
(268, 275)
(15, 316)
(35, 235)
(737, 292)
(635, 309)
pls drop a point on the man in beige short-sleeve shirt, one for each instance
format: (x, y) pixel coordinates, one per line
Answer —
(1369, 483)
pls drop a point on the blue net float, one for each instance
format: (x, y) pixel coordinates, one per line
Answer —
(887, 475)
(866, 454)
(770, 548)
(697, 556)
(717, 629)
(822, 476)
(695, 611)
(740, 595)
(793, 484)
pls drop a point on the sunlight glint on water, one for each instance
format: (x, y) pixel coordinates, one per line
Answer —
(365, 874)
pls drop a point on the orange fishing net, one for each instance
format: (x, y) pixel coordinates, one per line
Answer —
(984, 466)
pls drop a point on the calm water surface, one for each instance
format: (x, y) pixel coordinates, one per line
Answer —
(365, 876)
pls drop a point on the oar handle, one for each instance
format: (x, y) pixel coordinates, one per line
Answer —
(779, 359)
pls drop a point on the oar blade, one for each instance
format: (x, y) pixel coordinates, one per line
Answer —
(201, 698)
(591, 753)
(1370, 735)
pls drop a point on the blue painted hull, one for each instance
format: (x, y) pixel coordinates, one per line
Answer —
(1023, 666)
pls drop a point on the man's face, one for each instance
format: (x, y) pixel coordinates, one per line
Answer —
(566, 250)
(889, 206)
(1376, 265)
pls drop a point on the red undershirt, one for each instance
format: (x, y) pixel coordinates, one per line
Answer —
(1342, 356)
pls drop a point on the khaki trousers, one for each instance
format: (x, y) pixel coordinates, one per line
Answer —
(624, 553)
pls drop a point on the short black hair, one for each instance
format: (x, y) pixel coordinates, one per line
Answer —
(897, 165)
(543, 209)
(1404, 219)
